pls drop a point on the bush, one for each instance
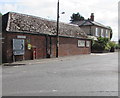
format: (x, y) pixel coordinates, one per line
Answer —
(103, 40)
(104, 45)
(98, 46)
(117, 46)
(101, 45)
(107, 47)
(112, 46)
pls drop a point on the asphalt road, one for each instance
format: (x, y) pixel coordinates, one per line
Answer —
(84, 75)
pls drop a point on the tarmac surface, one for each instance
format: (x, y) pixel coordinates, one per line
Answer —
(82, 75)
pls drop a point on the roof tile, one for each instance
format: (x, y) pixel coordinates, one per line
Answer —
(25, 23)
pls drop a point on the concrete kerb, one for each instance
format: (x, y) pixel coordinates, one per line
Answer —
(47, 60)
(40, 61)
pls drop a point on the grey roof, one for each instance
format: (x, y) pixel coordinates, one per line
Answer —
(25, 23)
(88, 23)
(79, 23)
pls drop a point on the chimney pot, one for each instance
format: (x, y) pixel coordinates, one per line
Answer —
(92, 17)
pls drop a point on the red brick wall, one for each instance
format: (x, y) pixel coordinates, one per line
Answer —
(68, 46)
(6, 48)
(38, 41)
(53, 46)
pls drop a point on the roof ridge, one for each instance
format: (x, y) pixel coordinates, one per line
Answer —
(79, 23)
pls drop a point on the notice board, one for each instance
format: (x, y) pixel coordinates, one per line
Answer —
(18, 46)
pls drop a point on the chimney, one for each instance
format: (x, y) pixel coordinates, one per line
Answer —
(92, 17)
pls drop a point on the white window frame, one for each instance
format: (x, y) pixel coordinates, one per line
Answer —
(96, 32)
(102, 33)
(81, 43)
(107, 34)
(87, 43)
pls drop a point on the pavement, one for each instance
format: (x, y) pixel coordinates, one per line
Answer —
(81, 75)
(46, 60)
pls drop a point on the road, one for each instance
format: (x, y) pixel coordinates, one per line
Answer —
(83, 75)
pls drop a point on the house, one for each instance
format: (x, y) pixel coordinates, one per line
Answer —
(93, 29)
(28, 37)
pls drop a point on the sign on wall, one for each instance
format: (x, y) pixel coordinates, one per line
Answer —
(81, 43)
(18, 46)
(87, 43)
(19, 36)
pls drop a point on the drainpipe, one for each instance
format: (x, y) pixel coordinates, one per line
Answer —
(46, 44)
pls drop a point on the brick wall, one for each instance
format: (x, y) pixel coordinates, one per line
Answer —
(68, 46)
(37, 41)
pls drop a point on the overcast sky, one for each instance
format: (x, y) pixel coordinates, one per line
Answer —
(105, 11)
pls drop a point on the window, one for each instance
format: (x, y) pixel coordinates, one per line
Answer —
(96, 31)
(81, 43)
(102, 33)
(87, 43)
(106, 33)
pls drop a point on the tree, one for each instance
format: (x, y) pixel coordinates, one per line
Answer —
(111, 33)
(76, 17)
(0, 14)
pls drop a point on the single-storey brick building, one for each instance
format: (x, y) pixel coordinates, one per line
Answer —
(28, 37)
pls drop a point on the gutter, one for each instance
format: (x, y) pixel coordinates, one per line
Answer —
(37, 33)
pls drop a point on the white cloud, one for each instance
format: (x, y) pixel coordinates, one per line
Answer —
(106, 11)
(7, 7)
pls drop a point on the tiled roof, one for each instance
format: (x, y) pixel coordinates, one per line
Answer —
(25, 23)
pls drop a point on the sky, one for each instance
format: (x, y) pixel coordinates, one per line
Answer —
(105, 11)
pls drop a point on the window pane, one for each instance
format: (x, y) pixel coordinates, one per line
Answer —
(87, 43)
(81, 43)
(102, 33)
(97, 32)
(106, 33)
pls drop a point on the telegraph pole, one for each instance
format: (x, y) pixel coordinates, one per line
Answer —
(57, 34)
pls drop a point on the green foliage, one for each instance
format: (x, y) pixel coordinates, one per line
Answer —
(107, 47)
(117, 46)
(93, 41)
(103, 40)
(111, 34)
(98, 46)
(112, 44)
(0, 14)
(76, 17)
(102, 44)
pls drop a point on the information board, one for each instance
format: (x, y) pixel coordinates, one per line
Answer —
(18, 46)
